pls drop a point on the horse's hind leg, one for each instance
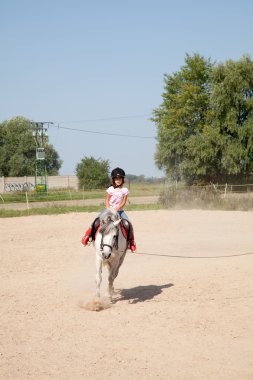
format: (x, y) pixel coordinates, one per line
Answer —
(98, 276)
(114, 273)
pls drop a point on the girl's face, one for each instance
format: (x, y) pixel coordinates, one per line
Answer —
(118, 181)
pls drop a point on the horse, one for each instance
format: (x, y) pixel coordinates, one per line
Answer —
(111, 246)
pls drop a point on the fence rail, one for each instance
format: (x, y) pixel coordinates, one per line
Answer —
(18, 194)
(65, 182)
(232, 188)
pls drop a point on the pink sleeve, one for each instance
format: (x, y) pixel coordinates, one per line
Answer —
(125, 191)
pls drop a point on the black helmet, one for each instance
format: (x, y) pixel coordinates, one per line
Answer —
(117, 172)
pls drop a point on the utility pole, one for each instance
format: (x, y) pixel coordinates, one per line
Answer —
(41, 138)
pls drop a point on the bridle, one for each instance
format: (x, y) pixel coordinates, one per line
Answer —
(102, 245)
(114, 241)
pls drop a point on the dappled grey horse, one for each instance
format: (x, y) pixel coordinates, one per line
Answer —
(111, 246)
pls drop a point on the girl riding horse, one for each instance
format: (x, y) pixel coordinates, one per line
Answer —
(116, 197)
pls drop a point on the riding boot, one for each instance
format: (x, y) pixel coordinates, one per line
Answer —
(86, 237)
(91, 232)
(94, 227)
(130, 234)
(132, 244)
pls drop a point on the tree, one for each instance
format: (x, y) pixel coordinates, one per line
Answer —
(93, 173)
(182, 114)
(205, 123)
(232, 116)
(52, 160)
(18, 150)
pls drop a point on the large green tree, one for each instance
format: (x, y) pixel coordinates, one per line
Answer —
(93, 173)
(204, 124)
(18, 150)
(232, 116)
(182, 113)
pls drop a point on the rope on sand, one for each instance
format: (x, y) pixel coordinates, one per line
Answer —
(195, 257)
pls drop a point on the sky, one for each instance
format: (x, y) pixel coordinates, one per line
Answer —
(95, 68)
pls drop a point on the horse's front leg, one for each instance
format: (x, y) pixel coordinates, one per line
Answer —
(98, 274)
(110, 289)
(110, 286)
(113, 272)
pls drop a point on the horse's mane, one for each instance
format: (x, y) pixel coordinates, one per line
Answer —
(107, 217)
(109, 214)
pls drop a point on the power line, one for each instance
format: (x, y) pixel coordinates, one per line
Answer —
(104, 119)
(104, 133)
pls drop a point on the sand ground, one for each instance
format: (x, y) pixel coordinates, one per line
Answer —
(183, 308)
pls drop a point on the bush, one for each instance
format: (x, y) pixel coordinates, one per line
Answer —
(92, 173)
(204, 198)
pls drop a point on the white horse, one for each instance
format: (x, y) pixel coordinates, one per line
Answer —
(111, 247)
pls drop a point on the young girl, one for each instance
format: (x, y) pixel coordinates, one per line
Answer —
(116, 196)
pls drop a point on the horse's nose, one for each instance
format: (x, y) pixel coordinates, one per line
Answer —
(106, 255)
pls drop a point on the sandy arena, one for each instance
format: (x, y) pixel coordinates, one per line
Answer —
(183, 308)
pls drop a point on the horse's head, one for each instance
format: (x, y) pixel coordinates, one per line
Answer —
(109, 232)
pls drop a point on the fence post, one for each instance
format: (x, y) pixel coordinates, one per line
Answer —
(27, 202)
(225, 190)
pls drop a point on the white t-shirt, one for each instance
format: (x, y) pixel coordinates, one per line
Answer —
(116, 195)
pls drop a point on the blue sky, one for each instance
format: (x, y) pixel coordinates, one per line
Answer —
(99, 66)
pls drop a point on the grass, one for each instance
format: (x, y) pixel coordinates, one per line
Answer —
(54, 195)
(145, 189)
(68, 209)
(169, 198)
(136, 190)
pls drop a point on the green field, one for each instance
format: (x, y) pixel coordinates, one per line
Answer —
(136, 190)
(170, 197)
(67, 209)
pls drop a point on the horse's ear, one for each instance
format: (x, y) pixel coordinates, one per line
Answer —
(117, 222)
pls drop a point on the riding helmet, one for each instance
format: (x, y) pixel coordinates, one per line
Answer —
(118, 172)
